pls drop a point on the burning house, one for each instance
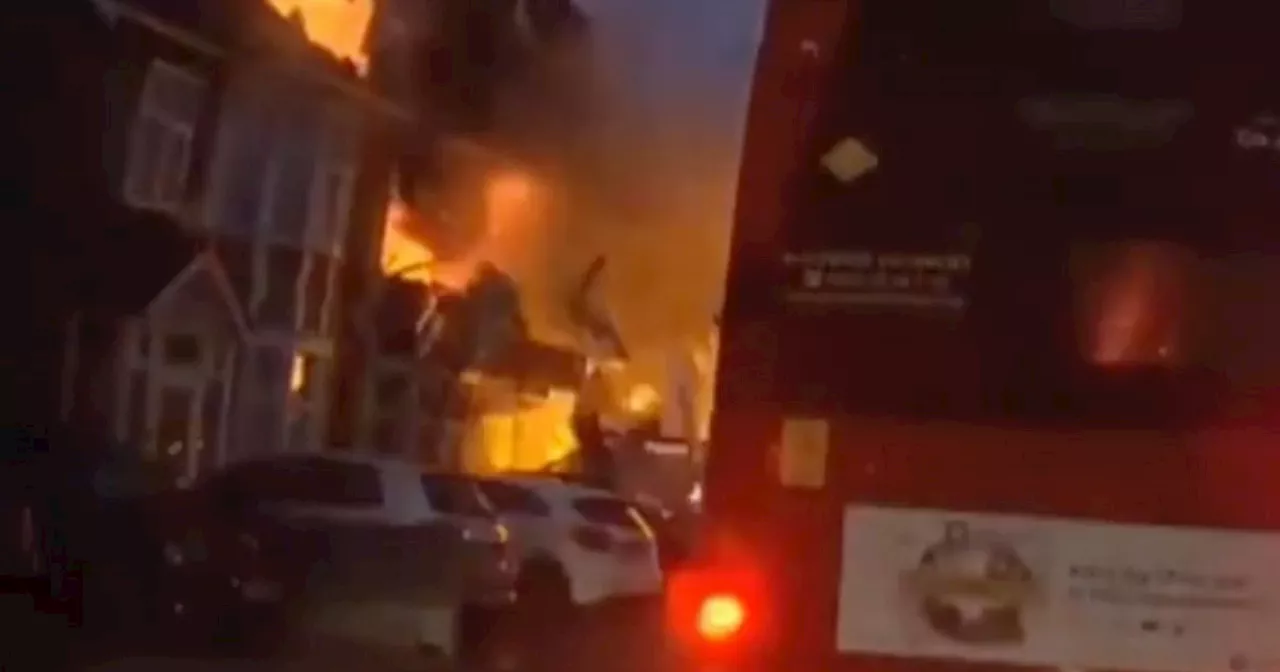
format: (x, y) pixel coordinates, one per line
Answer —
(507, 165)
(455, 377)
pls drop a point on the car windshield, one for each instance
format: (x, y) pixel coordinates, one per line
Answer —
(1047, 242)
(606, 511)
(512, 499)
(455, 495)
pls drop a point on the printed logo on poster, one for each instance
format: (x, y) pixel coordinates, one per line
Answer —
(972, 587)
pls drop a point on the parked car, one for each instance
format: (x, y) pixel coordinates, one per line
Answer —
(576, 544)
(674, 532)
(380, 546)
(98, 534)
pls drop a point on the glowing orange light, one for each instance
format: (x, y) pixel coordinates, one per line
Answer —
(720, 617)
(1141, 307)
(298, 374)
(642, 399)
(510, 188)
(402, 255)
(336, 25)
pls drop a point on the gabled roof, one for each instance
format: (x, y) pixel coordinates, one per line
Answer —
(141, 260)
(220, 22)
(208, 265)
(222, 27)
(130, 263)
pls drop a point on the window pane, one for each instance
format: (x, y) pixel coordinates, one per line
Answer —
(267, 482)
(244, 165)
(171, 183)
(454, 496)
(316, 288)
(282, 270)
(301, 437)
(182, 349)
(173, 94)
(606, 511)
(332, 201)
(271, 369)
(507, 498)
(145, 160)
(338, 483)
(297, 170)
(307, 377)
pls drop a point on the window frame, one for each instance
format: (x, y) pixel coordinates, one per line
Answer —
(304, 283)
(307, 406)
(404, 434)
(147, 191)
(329, 211)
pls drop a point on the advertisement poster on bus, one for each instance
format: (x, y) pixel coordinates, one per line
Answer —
(1065, 593)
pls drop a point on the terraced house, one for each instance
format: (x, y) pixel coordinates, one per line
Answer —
(248, 162)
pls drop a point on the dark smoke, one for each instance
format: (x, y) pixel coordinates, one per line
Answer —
(642, 180)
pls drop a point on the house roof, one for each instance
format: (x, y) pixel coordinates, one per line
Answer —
(219, 27)
(132, 262)
(138, 257)
(218, 21)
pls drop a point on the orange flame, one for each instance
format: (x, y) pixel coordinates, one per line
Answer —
(1142, 307)
(510, 203)
(403, 256)
(406, 257)
(336, 25)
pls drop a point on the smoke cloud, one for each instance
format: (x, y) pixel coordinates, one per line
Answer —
(635, 125)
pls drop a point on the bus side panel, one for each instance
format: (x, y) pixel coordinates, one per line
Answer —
(794, 60)
(741, 495)
(793, 67)
(794, 536)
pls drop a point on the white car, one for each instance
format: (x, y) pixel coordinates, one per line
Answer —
(574, 542)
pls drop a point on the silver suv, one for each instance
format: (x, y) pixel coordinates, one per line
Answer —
(389, 552)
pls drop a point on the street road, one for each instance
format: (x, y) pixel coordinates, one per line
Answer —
(610, 640)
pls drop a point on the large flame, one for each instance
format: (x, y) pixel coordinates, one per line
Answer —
(337, 25)
(536, 438)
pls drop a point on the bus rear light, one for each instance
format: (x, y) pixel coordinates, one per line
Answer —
(721, 617)
(717, 613)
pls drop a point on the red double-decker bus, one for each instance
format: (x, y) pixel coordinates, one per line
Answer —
(1000, 351)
